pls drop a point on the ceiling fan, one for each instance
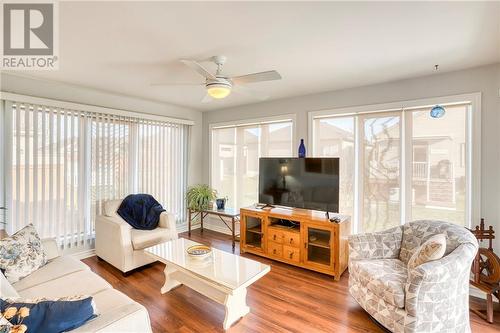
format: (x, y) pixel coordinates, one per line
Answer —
(219, 85)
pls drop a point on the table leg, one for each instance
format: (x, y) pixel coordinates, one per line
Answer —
(189, 222)
(232, 230)
(170, 283)
(236, 307)
(201, 217)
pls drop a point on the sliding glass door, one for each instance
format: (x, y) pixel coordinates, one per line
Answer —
(61, 166)
(335, 137)
(398, 166)
(380, 149)
(439, 175)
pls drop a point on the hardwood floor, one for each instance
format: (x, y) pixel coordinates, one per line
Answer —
(288, 299)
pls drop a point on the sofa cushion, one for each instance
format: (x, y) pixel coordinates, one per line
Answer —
(6, 289)
(142, 239)
(385, 278)
(432, 249)
(21, 254)
(78, 283)
(61, 266)
(117, 313)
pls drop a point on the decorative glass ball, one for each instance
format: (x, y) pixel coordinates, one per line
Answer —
(437, 112)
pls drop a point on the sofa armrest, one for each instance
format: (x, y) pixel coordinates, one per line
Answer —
(51, 248)
(378, 245)
(167, 221)
(443, 282)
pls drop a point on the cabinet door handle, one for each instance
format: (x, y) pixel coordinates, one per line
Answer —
(305, 245)
(291, 255)
(291, 240)
(274, 237)
(274, 251)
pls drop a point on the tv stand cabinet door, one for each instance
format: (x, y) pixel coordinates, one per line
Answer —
(318, 250)
(252, 229)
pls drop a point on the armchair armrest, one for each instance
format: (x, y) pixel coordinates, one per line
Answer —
(113, 241)
(167, 221)
(444, 283)
(378, 245)
(51, 248)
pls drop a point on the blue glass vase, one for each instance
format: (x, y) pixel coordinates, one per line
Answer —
(302, 149)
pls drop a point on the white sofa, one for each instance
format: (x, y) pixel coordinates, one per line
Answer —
(123, 246)
(66, 276)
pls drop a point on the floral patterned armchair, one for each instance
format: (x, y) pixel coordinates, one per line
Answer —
(432, 297)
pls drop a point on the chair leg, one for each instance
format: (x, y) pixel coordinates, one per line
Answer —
(489, 309)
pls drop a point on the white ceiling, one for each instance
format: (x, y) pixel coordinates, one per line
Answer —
(123, 47)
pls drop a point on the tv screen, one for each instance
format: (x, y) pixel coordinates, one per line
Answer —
(311, 183)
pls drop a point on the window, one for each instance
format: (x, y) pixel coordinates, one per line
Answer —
(63, 164)
(235, 157)
(402, 165)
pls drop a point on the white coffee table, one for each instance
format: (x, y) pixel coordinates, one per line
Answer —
(222, 277)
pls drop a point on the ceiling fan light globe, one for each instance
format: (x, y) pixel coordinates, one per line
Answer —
(218, 92)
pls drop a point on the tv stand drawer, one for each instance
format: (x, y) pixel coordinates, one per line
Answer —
(291, 253)
(291, 239)
(275, 235)
(274, 249)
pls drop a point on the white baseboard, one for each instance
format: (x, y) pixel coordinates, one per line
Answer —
(83, 254)
(213, 223)
(184, 227)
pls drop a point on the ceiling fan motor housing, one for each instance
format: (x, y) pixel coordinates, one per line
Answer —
(219, 82)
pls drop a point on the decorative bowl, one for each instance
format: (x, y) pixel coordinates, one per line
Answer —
(199, 251)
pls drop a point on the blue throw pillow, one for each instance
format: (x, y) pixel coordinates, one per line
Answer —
(53, 316)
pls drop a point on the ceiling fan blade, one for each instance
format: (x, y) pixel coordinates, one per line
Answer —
(250, 92)
(198, 68)
(256, 77)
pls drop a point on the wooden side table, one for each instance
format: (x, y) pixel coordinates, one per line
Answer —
(232, 215)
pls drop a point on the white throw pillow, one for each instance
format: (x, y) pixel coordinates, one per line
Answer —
(6, 289)
(21, 254)
(432, 249)
(111, 206)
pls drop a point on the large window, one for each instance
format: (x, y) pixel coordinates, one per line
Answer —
(235, 152)
(62, 164)
(401, 165)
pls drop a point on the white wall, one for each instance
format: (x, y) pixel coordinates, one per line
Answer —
(55, 90)
(485, 79)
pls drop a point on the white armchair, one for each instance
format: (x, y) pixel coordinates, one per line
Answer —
(122, 246)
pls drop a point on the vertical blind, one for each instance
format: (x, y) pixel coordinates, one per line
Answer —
(165, 181)
(62, 165)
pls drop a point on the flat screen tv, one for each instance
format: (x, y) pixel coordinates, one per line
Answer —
(311, 183)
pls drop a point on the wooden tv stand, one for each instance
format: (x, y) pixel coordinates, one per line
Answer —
(311, 242)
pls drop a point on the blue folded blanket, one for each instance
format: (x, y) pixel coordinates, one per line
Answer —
(141, 211)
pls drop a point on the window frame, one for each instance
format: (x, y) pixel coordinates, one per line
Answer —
(246, 122)
(472, 149)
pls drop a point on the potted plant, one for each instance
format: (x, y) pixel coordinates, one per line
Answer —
(199, 197)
